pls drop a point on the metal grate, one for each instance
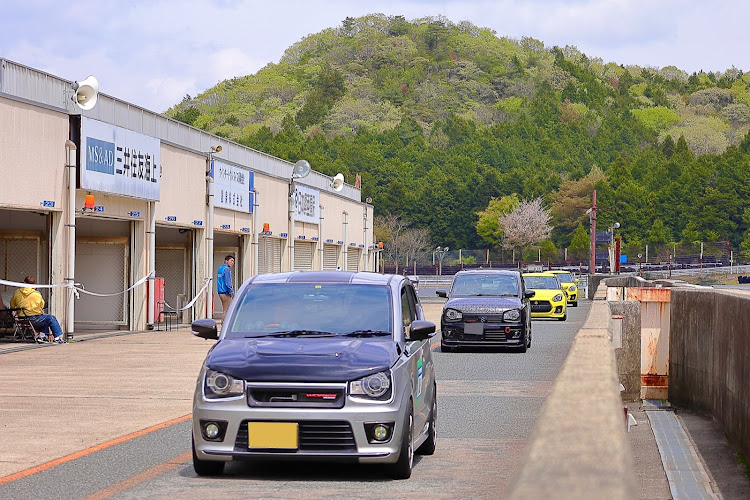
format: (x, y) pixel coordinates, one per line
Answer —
(102, 268)
(315, 436)
(171, 264)
(541, 306)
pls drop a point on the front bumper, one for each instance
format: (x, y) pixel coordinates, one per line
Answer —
(491, 334)
(336, 434)
(548, 309)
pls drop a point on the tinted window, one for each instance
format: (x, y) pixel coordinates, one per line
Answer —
(488, 284)
(408, 307)
(335, 308)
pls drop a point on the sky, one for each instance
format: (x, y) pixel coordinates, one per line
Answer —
(154, 52)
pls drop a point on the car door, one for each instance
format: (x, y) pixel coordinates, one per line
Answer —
(420, 360)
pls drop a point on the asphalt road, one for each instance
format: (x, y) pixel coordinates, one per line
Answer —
(488, 403)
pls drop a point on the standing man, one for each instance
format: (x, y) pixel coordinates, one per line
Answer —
(30, 300)
(224, 284)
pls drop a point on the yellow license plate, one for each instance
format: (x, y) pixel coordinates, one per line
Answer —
(277, 435)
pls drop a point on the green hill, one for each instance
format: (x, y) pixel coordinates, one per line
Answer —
(440, 117)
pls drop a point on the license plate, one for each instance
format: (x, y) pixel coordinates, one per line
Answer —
(474, 328)
(276, 435)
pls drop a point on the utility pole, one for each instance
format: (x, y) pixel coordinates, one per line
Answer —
(591, 212)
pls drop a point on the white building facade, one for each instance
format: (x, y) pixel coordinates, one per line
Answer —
(117, 199)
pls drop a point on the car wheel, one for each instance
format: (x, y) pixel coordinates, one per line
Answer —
(565, 316)
(206, 467)
(525, 344)
(402, 468)
(529, 342)
(574, 304)
(428, 447)
(445, 348)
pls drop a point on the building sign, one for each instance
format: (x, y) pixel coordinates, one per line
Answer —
(306, 204)
(119, 161)
(233, 187)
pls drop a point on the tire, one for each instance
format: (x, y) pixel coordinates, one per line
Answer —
(445, 348)
(565, 317)
(403, 467)
(525, 345)
(428, 447)
(574, 304)
(206, 467)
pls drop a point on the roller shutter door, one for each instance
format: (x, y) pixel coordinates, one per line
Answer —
(269, 255)
(303, 256)
(330, 257)
(102, 268)
(352, 259)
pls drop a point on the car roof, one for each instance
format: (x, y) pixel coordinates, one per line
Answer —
(544, 273)
(558, 271)
(507, 272)
(363, 278)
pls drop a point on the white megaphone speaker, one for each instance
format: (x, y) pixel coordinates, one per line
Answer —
(338, 182)
(86, 93)
(301, 169)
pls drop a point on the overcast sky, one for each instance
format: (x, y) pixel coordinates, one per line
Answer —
(153, 52)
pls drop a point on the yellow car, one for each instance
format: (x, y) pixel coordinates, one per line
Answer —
(550, 299)
(570, 284)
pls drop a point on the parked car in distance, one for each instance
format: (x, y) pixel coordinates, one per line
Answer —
(550, 300)
(570, 284)
(317, 365)
(486, 308)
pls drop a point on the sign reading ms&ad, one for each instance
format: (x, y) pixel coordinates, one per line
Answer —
(119, 161)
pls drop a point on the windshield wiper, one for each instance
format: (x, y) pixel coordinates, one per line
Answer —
(367, 333)
(301, 333)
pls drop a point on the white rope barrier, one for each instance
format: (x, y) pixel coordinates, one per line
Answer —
(193, 301)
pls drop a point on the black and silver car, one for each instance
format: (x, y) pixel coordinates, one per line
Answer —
(317, 365)
(486, 308)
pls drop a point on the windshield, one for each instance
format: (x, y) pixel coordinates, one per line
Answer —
(488, 284)
(309, 309)
(541, 282)
(565, 277)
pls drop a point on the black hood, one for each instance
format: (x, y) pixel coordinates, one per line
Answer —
(483, 305)
(338, 359)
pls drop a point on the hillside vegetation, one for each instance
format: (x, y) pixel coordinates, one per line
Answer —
(440, 117)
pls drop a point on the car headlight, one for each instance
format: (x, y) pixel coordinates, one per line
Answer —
(557, 298)
(218, 385)
(453, 315)
(375, 386)
(572, 288)
(512, 315)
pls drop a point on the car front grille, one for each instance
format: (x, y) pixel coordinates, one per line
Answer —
(540, 306)
(314, 436)
(295, 398)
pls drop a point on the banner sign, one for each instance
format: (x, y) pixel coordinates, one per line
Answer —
(119, 161)
(603, 237)
(233, 187)
(306, 204)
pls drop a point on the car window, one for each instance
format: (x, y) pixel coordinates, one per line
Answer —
(565, 277)
(336, 308)
(489, 284)
(542, 282)
(408, 306)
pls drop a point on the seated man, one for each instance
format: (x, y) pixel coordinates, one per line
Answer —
(31, 301)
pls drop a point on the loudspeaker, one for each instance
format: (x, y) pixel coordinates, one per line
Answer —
(86, 93)
(301, 169)
(338, 182)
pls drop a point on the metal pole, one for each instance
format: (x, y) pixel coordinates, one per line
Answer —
(256, 225)
(72, 157)
(210, 238)
(151, 233)
(592, 269)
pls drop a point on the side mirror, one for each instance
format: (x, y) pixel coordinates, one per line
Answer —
(205, 328)
(441, 293)
(530, 293)
(421, 330)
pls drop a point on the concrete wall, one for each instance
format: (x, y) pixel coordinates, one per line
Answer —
(579, 446)
(709, 357)
(628, 357)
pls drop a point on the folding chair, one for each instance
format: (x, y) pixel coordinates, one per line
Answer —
(25, 329)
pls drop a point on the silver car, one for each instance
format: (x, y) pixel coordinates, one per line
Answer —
(317, 365)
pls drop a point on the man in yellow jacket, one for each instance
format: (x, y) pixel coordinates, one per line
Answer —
(32, 303)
